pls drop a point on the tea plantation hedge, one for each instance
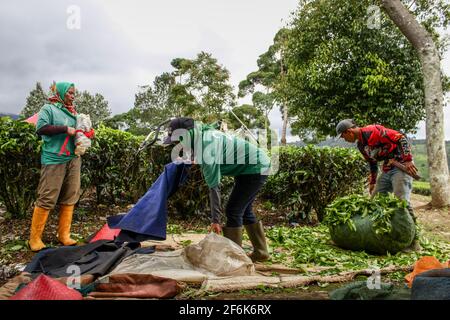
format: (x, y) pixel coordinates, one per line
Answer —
(309, 178)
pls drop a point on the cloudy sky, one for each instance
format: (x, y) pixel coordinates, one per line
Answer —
(121, 45)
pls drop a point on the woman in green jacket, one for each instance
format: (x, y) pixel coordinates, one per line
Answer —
(60, 167)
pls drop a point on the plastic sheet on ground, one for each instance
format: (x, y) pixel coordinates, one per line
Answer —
(220, 256)
(212, 257)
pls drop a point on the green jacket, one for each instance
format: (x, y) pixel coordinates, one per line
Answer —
(56, 114)
(221, 154)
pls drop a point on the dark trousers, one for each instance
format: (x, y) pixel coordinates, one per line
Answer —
(239, 207)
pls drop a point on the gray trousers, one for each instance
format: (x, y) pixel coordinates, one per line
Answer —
(397, 182)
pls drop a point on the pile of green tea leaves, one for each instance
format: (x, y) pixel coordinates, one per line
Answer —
(380, 209)
(304, 247)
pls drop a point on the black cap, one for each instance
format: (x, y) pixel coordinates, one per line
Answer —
(178, 123)
(344, 125)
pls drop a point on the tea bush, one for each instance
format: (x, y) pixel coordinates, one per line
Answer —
(19, 165)
(312, 177)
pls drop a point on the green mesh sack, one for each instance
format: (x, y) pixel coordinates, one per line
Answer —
(359, 290)
(379, 225)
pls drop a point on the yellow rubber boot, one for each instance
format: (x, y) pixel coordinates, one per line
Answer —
(38, 222)
(65, 222)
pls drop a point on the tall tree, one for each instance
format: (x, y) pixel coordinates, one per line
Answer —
(428, 52)
(250, 116)
(94, 105)
(340, 68)
(204, 79)
(198, 88)
(269, 78)
(165, 98)
(35, 101)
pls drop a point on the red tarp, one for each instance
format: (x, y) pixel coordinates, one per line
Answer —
(33, 119)
(105, 233)
(46, 288)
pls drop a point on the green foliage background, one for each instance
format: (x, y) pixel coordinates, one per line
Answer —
(309, 177)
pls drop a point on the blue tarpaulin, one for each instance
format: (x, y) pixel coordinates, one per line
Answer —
(432, 285)
(148, 218)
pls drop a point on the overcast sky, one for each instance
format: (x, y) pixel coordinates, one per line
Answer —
(124, 44)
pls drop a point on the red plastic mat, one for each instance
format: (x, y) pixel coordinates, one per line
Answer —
(46, 288)
(105, 233)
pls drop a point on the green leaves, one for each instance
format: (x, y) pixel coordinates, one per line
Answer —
(19, 165)
(270, 75)
(312, 246)
(380, 209)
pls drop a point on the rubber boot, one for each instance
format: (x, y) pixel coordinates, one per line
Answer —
(65, 222)
(38, 222)
(234, 234)
(257, 237)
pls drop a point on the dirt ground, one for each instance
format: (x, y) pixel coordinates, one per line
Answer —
(434, 222)
(15, 232)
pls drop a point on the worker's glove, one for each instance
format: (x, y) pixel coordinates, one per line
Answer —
(216, 228)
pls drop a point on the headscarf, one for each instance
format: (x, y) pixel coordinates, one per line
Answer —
(59, 91)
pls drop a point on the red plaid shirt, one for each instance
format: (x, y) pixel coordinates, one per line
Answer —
(378, 143)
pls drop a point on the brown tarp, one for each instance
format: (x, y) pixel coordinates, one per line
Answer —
(137, 286)
(9, 289)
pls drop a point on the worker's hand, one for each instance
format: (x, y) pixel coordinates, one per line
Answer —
(71, 131)
(411, 167)
(216, 228)
(371, 188)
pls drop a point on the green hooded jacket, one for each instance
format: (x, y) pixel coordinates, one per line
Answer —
(57, 114)
(221, 154)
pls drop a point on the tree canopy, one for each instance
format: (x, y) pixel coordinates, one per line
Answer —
(94, 105)
(35, 100)
(199, 88)
(340, 68)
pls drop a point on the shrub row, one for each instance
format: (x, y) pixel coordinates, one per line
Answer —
(308, 177)
(421, 187)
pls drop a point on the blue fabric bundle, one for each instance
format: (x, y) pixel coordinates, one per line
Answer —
(432, 285)
(148, 218)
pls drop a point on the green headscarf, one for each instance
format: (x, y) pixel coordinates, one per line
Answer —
(63, 87)
(59, 91)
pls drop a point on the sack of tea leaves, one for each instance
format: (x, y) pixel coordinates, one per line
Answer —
(84, 134)
(378, 225)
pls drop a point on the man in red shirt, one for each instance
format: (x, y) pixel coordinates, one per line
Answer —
(378, 143)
